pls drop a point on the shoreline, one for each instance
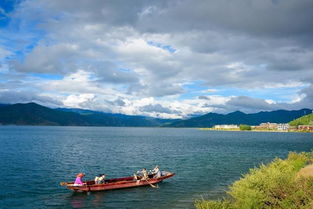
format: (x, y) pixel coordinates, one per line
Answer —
(273, 185)
(202, 129)
(262, 130)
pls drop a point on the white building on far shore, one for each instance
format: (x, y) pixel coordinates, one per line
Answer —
(274, 126)
(282, 126)
(226, 126)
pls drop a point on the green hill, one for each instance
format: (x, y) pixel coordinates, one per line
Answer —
(304, 120)
(34, 114)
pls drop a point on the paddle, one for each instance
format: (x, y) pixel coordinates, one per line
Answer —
(67, 184)
(144, 177)
(63, 183)
(153, 186)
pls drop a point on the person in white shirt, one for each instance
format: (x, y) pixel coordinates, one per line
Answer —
(100, 179)
(156, 172)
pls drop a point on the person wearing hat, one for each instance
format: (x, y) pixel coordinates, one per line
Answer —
(78, 180)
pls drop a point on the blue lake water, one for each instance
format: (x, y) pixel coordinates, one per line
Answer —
(35, 159)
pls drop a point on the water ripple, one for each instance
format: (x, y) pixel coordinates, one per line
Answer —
(35, 159)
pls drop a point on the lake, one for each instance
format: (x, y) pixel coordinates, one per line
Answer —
(35, 159)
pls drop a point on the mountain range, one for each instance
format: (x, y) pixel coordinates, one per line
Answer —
(35, 114)
(237, 118)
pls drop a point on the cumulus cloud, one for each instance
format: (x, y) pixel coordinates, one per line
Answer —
(136, 57)
(247, 104)
(155, 108)
(12, 97)
(48, 59)
(271, 18)
(307, 97)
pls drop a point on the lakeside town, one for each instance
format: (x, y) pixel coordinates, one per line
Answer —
(279, 127)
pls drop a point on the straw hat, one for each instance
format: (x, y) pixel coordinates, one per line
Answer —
(80, 175)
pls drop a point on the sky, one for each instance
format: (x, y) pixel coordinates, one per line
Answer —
(159, 58)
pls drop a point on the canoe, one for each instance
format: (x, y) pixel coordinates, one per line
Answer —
(116, 183)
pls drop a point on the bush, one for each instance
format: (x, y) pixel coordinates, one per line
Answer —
(270, 186)
(202, 204)
(245, 127)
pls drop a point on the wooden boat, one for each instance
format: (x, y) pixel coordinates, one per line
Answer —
(117, 183)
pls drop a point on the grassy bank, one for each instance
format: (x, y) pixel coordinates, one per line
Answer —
(280, 184)
(255, 130)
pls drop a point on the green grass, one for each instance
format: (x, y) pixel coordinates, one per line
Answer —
(270, 186)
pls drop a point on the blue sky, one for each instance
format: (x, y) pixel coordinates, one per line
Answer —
(6, 7)
(170, 59)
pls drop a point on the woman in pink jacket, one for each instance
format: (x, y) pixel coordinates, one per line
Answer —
(78, 180)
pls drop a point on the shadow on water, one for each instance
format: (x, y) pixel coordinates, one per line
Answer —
(78, 200)
(83, 200)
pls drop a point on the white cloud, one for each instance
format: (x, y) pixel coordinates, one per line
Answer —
(77, 100)
(298, 98)
(287, 84)
(209, 91)
(80, 82)
(4, 53)
(136, 57)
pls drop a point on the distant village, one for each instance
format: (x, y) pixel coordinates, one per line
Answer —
(268, 127)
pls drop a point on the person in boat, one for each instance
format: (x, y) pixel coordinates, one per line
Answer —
(156, 172)
(144, 174)
(135, 176)
(78, 180)
(141, 175)
(100, 179)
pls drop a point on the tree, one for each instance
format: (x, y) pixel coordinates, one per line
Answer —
(244, 127)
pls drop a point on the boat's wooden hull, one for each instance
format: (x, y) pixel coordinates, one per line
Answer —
(118, 183)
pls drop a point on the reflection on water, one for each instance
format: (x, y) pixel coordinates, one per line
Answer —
(205, 162)
(78, 200)
(98, 199)
(82, 200)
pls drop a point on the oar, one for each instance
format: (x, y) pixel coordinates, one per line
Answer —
(63, 183)
(153, 186)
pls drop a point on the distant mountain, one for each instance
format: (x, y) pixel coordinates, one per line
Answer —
(211, 119)
(304, 120)
(78, 110)
(116, 119)
(34, 114)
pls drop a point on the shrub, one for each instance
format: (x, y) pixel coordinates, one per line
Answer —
(270, 186)
(245, 127)
(221, 204)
